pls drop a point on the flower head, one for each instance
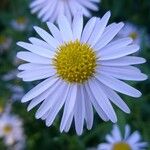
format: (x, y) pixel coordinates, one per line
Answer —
(82, 68)
(116, 141)
(20, 23)
(131, 30)
(49, 10)
(11, 128)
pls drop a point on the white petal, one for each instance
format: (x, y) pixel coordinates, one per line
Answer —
(33, 58)
(89, 115)
(31, 66)
(69, 106)
(69, 121)
(38, 99)
(110, 139)
(47, 37)
(55, 32)
(36, 74)
(116, 99)
(97, 107)
(141, 145)
(38, 42)
(44, 117)
(134, 137)
(116, 133)
(118, 85)
(50, 12)
(76, 6)
(52, 98)
(40, 88)
(123, 73)
(35, 3)
(123, 61)
(65, 28)
(108, 35)
(77, 26)
(88, 29)
(117, 44)
(35, 9)
(79, 111)
(104, 146)
(90, 5)
(117, 53)
(68, 12)
(127, 132)
(45, 9)
(99, 29)
(36, 49)
(102, 100)
(57, 105)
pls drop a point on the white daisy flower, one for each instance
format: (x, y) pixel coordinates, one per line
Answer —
(82, 68)
(129, 141)
(20, 24)
(5, 43)
(11, 129)
(49, 10)
(131, 30)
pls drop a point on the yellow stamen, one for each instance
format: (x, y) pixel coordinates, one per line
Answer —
(21, 20)
(75, 62)
(133, 35)
(121, 146)
(3, 39)
(7, 129)
(1, 109)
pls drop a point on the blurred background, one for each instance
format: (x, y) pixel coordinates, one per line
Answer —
(16, 24)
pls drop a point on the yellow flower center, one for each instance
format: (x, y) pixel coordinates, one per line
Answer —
(1, 109)
(7, 129)
(133, 35)
(21, 20)
(75, 62)
(121, 146)
(2, 39)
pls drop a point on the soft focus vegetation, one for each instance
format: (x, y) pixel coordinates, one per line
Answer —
(38, 136)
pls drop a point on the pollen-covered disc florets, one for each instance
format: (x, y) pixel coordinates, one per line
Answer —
(7, 129)
(121, 146)
(75, 62)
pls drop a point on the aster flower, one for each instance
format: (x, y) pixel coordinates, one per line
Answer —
(129, 141)
(11, 129)
(131, 30)
(82, 68)
(20, 23)
(5, 43)
(49, 10)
